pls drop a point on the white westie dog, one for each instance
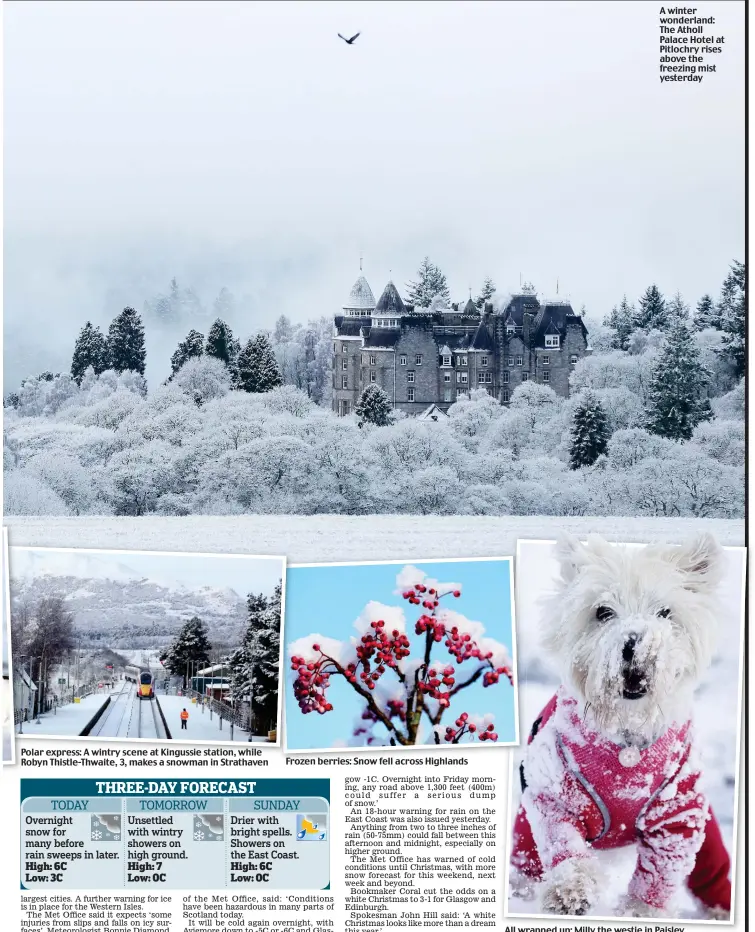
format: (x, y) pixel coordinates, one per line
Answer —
(609, 761)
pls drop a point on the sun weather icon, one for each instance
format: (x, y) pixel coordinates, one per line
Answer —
(311, 828)
(106, 827)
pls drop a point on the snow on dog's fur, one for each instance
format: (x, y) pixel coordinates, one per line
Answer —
(631, 630)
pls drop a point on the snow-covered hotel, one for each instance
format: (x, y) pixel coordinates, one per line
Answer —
(427, 356)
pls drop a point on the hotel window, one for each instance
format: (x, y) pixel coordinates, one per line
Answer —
(552, 341)
(519, 360)
(445, 360)
(335, 347)
(344, 347)
(345, 381)
(345, 364)
(447, 394)
(480, 377)
(462, 360)
(546, 360)
(505, 395)
(510, 328)
(446, 376)
(546, 377)
(488, 377)
(483, 360)
(505, 378)
(410, 394)
(402, 360)
(462, 377)
(573, 360)
(525, 376)
(511, 360)
(343, 408)
(373, 375)
(418, 359)
(372, 360)
(410, 376)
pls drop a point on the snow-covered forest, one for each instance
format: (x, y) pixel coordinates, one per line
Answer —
(654, 426)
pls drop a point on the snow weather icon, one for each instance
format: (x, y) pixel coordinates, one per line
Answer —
(106, 827)
(311, 828)
(208, 828)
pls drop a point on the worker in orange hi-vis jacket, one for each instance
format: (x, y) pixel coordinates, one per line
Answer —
(184, 719)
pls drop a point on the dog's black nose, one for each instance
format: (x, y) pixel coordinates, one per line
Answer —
(629, 646)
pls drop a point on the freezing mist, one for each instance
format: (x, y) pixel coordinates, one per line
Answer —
(246, 146)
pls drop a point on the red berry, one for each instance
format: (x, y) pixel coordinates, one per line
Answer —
(457, 593)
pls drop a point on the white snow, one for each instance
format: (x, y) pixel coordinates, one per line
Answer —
(715, 708)
(200, 726)
(336, 538)
(68, 719)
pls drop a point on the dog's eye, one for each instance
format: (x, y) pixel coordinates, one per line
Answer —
(604, 613)
(664, 613)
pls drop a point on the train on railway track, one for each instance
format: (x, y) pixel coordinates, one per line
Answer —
(144, 679)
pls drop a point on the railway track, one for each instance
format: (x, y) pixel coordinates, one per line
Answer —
(128, 716)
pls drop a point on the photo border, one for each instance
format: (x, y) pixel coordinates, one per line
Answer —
(8, 761)
(425, 748)
(734, 854)
(168, 553)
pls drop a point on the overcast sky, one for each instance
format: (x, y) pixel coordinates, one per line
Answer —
(190, 571)
(245, 144)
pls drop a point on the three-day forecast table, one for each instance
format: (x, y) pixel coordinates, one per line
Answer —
(175, 834)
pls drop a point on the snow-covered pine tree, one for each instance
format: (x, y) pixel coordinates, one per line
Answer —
(90, 350)
(188, 348)
(486, 293)
(621, 321)
(190, 650)
(239, 674)
(374, 406)
(707, 315)
(677, 310)
(651, 314)
(221, 343)
(589, 431)
(257, 368)
(264, 653)
(732, 310)
(430, 282)
(125, 342)
(677, 397)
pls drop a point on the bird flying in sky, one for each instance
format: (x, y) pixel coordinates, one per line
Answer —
(351, 40)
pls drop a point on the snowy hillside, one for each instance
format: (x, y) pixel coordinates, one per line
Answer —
(133, 613)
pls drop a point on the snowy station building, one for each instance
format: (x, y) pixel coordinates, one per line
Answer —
(424, 357)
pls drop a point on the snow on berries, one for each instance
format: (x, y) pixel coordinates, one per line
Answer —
(398, 686)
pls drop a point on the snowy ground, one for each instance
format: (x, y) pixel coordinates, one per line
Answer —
(129, 717)
(7, 709)
(68, 719)
(716, 716)
(200, 727)
(325, 538)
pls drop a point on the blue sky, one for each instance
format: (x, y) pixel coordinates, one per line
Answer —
(328, 599)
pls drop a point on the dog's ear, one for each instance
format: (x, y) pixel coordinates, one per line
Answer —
(571, 555)
(701, 560)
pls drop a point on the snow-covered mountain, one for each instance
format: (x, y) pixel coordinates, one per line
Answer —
(128, 613)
